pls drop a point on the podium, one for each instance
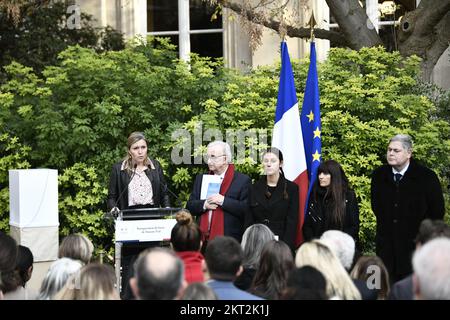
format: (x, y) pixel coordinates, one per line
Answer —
(138, 229)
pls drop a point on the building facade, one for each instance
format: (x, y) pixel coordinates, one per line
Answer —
(195, 26)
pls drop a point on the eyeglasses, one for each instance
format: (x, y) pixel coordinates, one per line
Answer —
(214, 158)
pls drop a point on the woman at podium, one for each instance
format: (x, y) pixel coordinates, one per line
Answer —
(138, 180)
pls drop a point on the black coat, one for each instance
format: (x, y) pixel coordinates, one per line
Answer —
(119, 180)
(318, 218)
(402, 290)
(399, 210)
(234, 205)
(278, 213)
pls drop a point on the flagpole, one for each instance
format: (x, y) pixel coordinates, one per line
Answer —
(312, 23)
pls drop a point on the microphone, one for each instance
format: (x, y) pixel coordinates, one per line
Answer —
(115, 211)
(166, 189)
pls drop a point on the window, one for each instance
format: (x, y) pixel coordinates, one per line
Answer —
(188, 24)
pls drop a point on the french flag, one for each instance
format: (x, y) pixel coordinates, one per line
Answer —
(288, 137)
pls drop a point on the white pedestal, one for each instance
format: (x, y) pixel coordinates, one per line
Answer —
(33, 198)
(43, 242)
(33, 201)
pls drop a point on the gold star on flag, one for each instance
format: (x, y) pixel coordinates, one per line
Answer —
(310, 116)
(316, 156)
(317, 133)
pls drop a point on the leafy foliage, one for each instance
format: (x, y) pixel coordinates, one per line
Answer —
(41, 33)
(80, 203)
(13, 155)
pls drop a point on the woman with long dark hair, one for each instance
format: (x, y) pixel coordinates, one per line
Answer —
(332, 204)
(273, 200)
(274, 267)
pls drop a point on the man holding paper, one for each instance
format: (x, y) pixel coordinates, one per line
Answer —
(220, 197)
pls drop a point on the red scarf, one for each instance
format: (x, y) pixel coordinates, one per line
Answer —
(217, 228)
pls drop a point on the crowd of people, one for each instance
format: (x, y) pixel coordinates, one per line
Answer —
(238, 242)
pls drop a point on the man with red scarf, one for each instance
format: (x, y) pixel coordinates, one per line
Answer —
(222, 213)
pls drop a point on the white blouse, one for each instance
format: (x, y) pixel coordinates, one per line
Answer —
(140, 189)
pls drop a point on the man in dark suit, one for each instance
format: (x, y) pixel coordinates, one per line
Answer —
(403, 194)
(221, 213)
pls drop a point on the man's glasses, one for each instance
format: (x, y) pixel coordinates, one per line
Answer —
(214, 158)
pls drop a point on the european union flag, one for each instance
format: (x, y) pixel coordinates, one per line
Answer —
(310, 120)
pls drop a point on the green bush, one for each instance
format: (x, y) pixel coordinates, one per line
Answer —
(13, 155)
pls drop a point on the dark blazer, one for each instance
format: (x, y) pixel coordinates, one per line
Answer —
(234, 205)
(245, 279)
(279, 214)
(317, 219)
(402, 290)
(119, 180)
(399, 210)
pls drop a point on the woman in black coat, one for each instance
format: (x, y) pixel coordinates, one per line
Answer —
(138, 180)
(332, 204)
(135, 182)
(273, 200)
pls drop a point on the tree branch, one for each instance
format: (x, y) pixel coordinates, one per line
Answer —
(295, 32)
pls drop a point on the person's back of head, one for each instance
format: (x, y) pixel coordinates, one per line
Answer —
(224, 258)
(8, 260)
(24, 264)
(57, 276)
(317, 254)
(432, 229)
(76, 247)
(274, 267)
(97, 282)
(253, 241)
(372, 268)
(186, 234)
(199, 291)
(342, 245)
(305, 283)
(159, 275)
(431, 264)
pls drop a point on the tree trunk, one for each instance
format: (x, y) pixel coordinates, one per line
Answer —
(425, 33)
(354, 23)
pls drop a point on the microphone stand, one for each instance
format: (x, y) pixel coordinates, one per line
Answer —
(166, 189)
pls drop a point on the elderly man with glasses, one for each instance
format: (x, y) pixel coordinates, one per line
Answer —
(223, 212)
